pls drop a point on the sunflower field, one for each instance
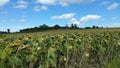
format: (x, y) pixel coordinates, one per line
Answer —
(67, 50)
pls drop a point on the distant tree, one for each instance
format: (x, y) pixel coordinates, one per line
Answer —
(44, 26)
(56, 26)
(3, 32)
(8, 30)
(66, 26)
(87, 27)
(93, 26)
(102, 27)
(74, 26)
(97, 26)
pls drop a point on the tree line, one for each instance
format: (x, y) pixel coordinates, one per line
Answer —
(45, 27)
(5, 32)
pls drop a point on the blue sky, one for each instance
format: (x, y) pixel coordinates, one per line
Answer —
(20, 14)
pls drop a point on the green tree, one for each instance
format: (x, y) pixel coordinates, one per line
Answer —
(8, 30)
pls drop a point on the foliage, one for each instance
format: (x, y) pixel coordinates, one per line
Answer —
(67, 50)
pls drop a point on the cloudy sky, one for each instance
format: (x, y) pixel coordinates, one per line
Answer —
(19, 14)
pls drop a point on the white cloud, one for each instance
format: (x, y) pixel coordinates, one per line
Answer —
(3, 2)
(79, 1)
(44, 7)
(85, 19)
(90, 18)
(63, 2)
(12, 20)
(82, 20)
(68, 2)
(23, 16)
(38, 8)
(113, 6)
(114, 18)
(5, 12)
(105, 3)
(22, 20)
(74, 21)
(47, 2)
(64, 16)
(21, 4)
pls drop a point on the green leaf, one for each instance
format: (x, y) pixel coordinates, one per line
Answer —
(114, 63)
(102, 49)
(15, 60)
(3, 55)
(52, 62)
(53, 55)
(8, 50)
